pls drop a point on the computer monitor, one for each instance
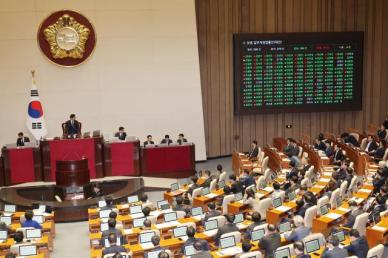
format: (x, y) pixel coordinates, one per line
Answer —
(227, 242)
(174, 187)
(9, 208)
(205, 191)
(196, 211)
(262, 184)
(324, 209)
(171, 216)
(180, 231)
(238, 197)
(104, 214)
(185, 181)
(153, 254)
(340, 235)
(39, 218)
(284, 227)
(133, 198)
(6, 219)
(101, 204)
(283, 253)
(33, 233)
(146, 237)
(277, 202)
(42, 208)
(221, 184)
(104, 226)
(291, 196)
(135, 209)
(238, 218)
(258, 234)
(27, 250)
(165, 206)
(3, 234)
(139, 222)
(211, 224)
(160, 203)
(189, 250)
(312, 246)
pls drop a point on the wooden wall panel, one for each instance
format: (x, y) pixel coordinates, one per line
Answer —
(217, 20)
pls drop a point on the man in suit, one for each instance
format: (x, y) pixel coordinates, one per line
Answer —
(179, 204)
(378, 208)
(347, 138)
(371, 145)
(208, 179)
(149, 140)
(190, 232)
(155, 240)
(329, 149)
(246, 247)
(300, 231)
(380, 152)
(338, 156)
(299, 250)
(247, 179)
(256, 218)
(319, 145)
(255, 150)
(72, 127)
(271, 241)
(212, 212)
(333, 250)
(121, 134)
(29, 222)
(181, 138)
(200, 252)
(382, 133)
(294, 170)
(113, 248)
(358, 244)
(194, 185)
(21, 140)
(111, 229)
(235, 185)
(227, 228)
(355, 211)
(166, 140)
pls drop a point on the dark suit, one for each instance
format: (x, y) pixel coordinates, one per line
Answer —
(253, 153)
(371, 146)
(211, 214)
(376, 211)
(338, 156)
(190, 241)
(20, 141)
(352, 217)
(207, 182)
(358, 247)
(270, 243)
(114, 249)
(121, 136)
(291, 150)
(191, 189)
(250, 228)
(303, 209)
(179, 141)
(336, 252)
(294, 172)
(227, 228)
(329, 151)
(320, 146)
(237, 187)
(382, 134)
(179, 207)
(166, 141)
(148, 142)
(379, 154)
(247, 181)
(72, 128)
(350, 139)
(153, 250)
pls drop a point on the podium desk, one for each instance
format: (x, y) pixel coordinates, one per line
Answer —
(21, 164)
(72, 149)
(122, 158)
(177, 161)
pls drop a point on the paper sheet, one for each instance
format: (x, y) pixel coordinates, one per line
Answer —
(333, 215)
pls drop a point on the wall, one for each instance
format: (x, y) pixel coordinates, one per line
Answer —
(143, 75)
(217, 20)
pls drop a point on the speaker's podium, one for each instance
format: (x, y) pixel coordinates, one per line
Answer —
(72, 179)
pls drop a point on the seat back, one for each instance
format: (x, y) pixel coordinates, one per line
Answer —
(220, 220)
(322, 201)
(180, 214)
(189, 224)
(290, 246)
(377, 251)
(236, 234)
(267, 175)
(343, 188)
(260, 181)
(252, 187)
(196, 192)
(223, 176)
(319, 236)
(309, 216)
(333, 198)
(353, 186)
(255, 254)
(300, 152)
(364, 143)
(153, 219)
(264, 165)
(306, 182)
(263, 207)
(227, 199)
(360, 223)
(213, 185)
(385, 157)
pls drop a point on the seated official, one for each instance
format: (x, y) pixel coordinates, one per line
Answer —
(380, 177)
(190, 232)
(247, 179)
(329, 149)
(219, 171)
(227, 228)
(254, 151)
(338, 156)
(371, 146)
(256, 219)
(166, 140)
(294, 170)
(155, 240)
(146, 212)
(30, 223)
(319, 145)
(299, 250)
(179, 206)
(227, 191)
(382, 133)
(72, 127)
(149, 140)
(111, 229)
(18, 237)
(145, 202)
(113, 215)
(333, 250)
(270, 242)
(358, 244)
(277, 190)
(236, 186)
(147, 225)
(377, 209)
(347, 138)
(121, 134)
(246, 247)
(212, 212)
(380, 151)
(341, 173)
(163, 254)
(181, 138)
(355, 211)
(291, 149)
(206, 175)
(21, 140)
(300, 231)
(251, 200)
(113, 247)
(200, 252)
(194, 185)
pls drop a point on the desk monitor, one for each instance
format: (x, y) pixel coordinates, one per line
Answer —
(28, 250)
(258, 234)
(3, 234)
(340, 235)
(291, 196)
(277, 202)
(33, 233)
(104, 214)
(221, 184)
(324, 209)
(284, 227)
(189, 250)
(42, 208)
(146, 237)
(160, 203)
(196, 211)
(39, 218)
(135, 209)
(174, 187)
(171, 216)
(139, 222)
(9, 208)
(104, 226)
(101, 204)
(283, 253)
(238, 218)
(153, 254)
(185, 181)
(312, 246)
(133, 198)
(238, 197)
(227, 242)
(165, 206)
(6, 219)
(211, 224)
(205, 191)
(180, 231)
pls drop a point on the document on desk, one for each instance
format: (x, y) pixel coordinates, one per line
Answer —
(210, 233)
(230, 251)
(127, 231)
(364, 191)
(268, 189)
(318, 186)
(147, 246)
(125, 206)
(333, 215)
(211, 195)
(327, 173)
(378, 228)
(283, 208)
(325, 180)
(343, 209)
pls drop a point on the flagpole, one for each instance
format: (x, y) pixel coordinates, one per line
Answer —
(37, 141)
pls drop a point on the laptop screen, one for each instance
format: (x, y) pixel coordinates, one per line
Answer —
(104, 226)
(153, 254)
(196, 211)
(3, 235)
(39, 218)
(139, 222)
(33, 233)
(277, 202)
(26, 250)
(160, 203)
(165, 206)
(180, 231)
(9, 208)
(227, 242)
(257, 234)
(42, 208)
(174, 187)
(238, 218)
(238, 197)
(312, 246)
(104, 214)
(101, 204)
(205, 191)
(211, 224)
(291, 196)
(189, 250)
(221, 184)
(324, 209)
(135, 209)
(171, 216)
(6, 219)
(340, 235)
(283, 253)
(132, 199)
(284, 227)
(146, 237)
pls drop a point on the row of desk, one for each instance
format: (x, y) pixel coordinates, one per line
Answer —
(125, 158)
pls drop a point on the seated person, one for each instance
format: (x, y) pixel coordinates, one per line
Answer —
(254, 151)
(113, 248)
(270, 242)
(29, 221)
(147, 225)
(147, 211)
(333, 250)
(166, 140)
(72, 127)
(149, 140)
(347, 138)
(121, 134)
(179, 206)
(379, 153)
(247, 179)
(236, 186)
(212, 212)
(341, 173)
(155, 240)
(291, 149)
(251, 200)
(219, 171)
(163, 254)
(181, 139)
(294, 170)
(246, 247)
(227, 228)
(18, 237)
(349, 176)
(113, 215)
(338, 156)
(227, 191)
(355, 211)
(194, 185)
(109, 203)
(382, 133)
(145, 202)
(277, 190)
(378, 208)
(329, 151)
(21, 140)
(256, 219)
(206, 175)
(4, 227)
(190, 232)
(319, 145)
(299, 250)
(358, 244)
(111, 230)
(300, 231)
(200, 252)
(371, 146)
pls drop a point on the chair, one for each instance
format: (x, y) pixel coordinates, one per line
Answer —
(353, 186)
(260, 181)
(236, 234)
(376, 251)
(213, 185)
(310, 173)
(310, 215)
(223, 176)
(333, 198)
(319, 236)
(300, 152)
(113, 254)
(196, 192)
(255, 254)
(252, 187)
(153, 219)
(351, 165)
(306, 182)
(180, 214)
(264, 165)
(267, 175)
(220, 220)
(343, 188)
(322, 201)
(290, 246)
(262, 226)
(364, 143)
(263, 207)
(385, 157)
(360, 223)
(227, 199)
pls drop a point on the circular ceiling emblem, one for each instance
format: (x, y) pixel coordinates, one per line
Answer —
(66, 38)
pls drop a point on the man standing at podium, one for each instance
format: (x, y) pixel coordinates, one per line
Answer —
(72, 127)
(121, 134)
(21, 140)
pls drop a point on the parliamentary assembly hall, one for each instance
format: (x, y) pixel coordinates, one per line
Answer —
(194, 128)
